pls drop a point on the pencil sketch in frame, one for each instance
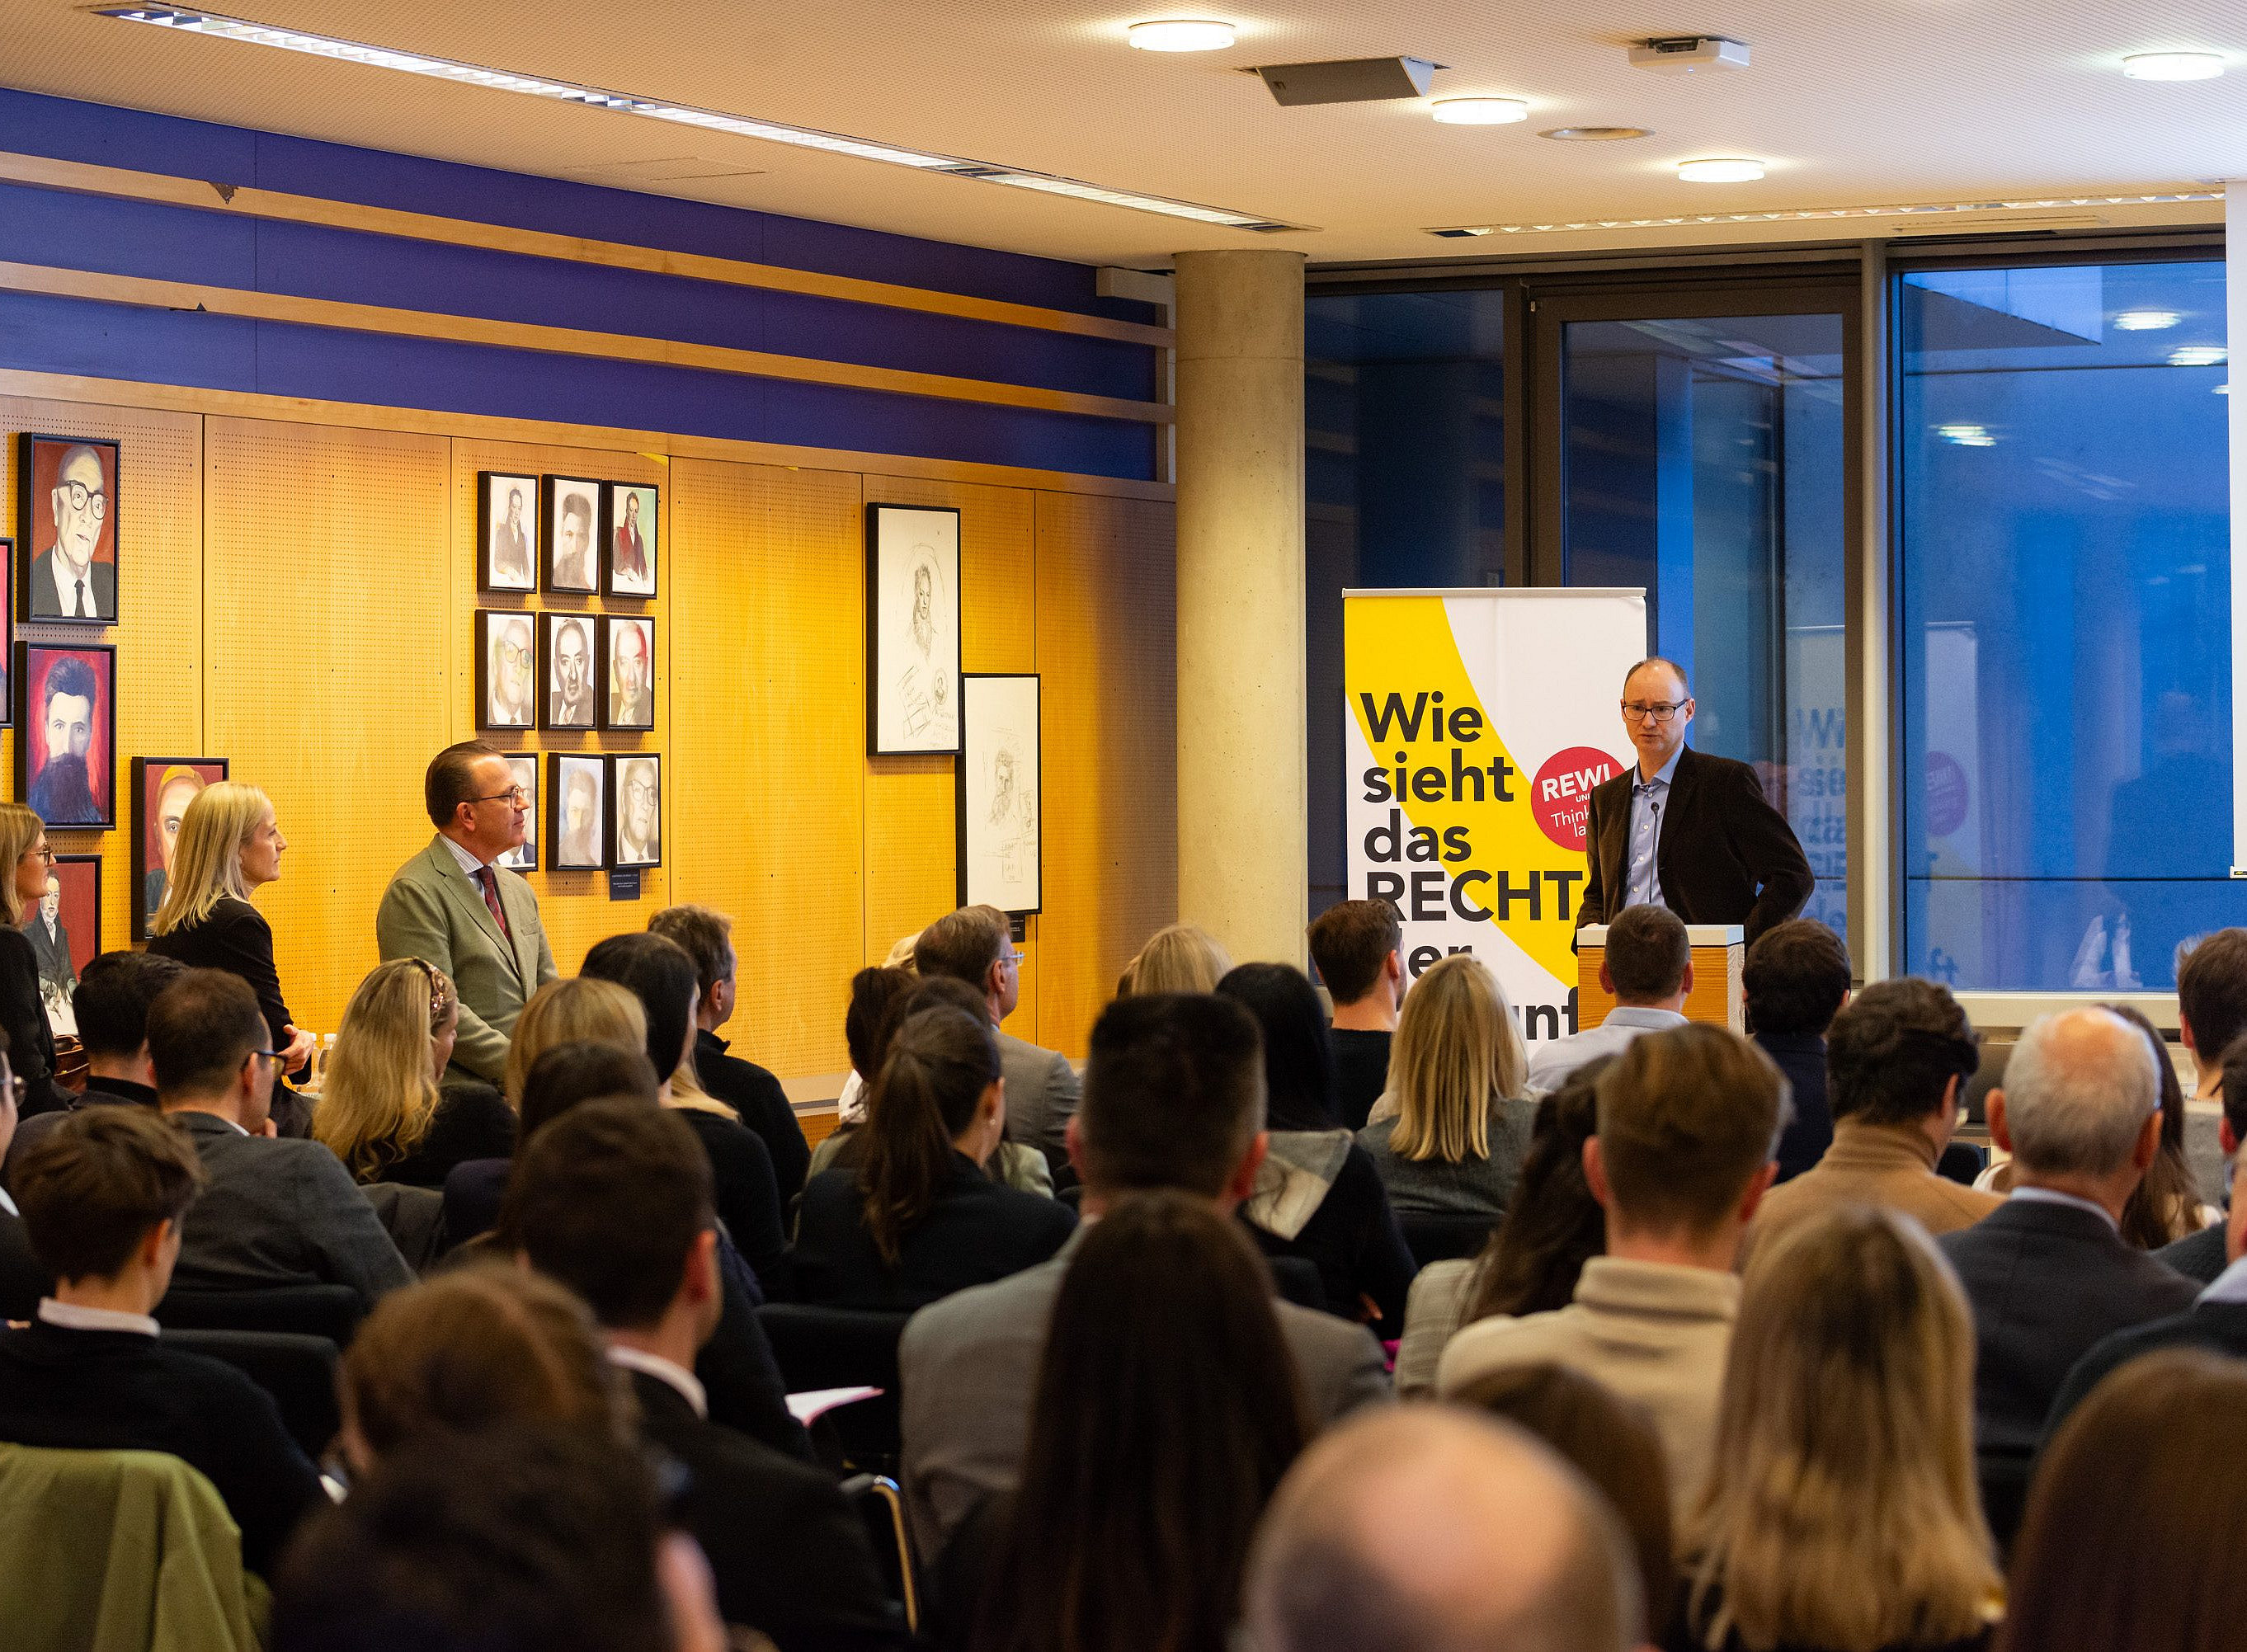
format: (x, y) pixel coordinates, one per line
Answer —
(1000, 806)
(507, 660)
(524, 858)
(913, 630)
(570, 535)
(636, 810)
(577, 811)
(569, 671)
(506, 531)
(627, 674)
(628, 568)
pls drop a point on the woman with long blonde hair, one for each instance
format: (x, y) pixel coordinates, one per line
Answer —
(566, 1012)
(1841, 1512)
(1183, 959)
(1450, 1135)
(384, 1110)
(31, 1041)
(230, 847)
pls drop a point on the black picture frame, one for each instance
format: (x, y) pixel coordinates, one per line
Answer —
(619, 762)
(488, 484)
(27, 529)
(973, 846)
(560, 767)
(611, 625)
(550, 505)
(550, 624)
(651, 537)
(524, 856)
(887, 731)
(7, 595)
(485, 718)
(28, 732)
(145, 898)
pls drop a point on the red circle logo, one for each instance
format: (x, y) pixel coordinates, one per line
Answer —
(1561, 796)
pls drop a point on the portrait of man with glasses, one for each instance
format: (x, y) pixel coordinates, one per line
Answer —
(70, 527)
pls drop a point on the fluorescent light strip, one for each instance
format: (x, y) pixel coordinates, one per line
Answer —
(318, 45)
(1812, 214)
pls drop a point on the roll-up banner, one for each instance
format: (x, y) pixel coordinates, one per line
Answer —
(1478, 721)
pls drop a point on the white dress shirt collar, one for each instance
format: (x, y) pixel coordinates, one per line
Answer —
(66, 588)
(469, 864)
(7, 1204)
(2047, 1196)
(678, 1376)
(2230, 1285)
(72, 1317)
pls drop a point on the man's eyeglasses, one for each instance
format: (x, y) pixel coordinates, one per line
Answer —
(82, 497)
(1661, 710)
(515, 796)
(273, 1055)
(1011, 957)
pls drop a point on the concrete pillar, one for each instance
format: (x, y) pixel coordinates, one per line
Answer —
(1243, 866)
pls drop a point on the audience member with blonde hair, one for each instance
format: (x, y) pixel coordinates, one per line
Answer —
(30, 1045)
(1453, 1142)
(1840, 1512)
(568, 1012)
(384, 1110)
(1182, 959)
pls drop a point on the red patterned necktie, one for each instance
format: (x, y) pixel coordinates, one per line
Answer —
(489, 879)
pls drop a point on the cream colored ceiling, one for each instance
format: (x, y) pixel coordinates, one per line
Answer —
(1852, 102)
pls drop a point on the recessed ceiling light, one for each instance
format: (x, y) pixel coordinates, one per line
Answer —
(2197, 355)
(1719, 171)
(2173, 65)
(1479, 112)
(2146, 320)
(1596, 134)
(1181, 34)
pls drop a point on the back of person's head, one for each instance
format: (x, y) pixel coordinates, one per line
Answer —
(1437, 1529)
(1167, 1408)
(1173, 1095)
(520, 1539)
(874, 993)
(901, 955)
(610, 1200)
(1182, 959)
(19, 829)
(2079, 1088)
(1688, 1116)
(1893, 1053)
(1794, 978)
(2165, 1206)
(572, 1074)
(202, 1028)
(1647, 954)
(2131, 1538)
(660, 974)
(111, 1002)
(1350, 941)
(2211, 983)
(464, 1351)
(963, 945)
(451, 779)
(937, 1067)
(705, 935)
(1842, 1509)
(207, 856)
(1611, 1441)
(380, 1097)
(566, 1012)
(1456, 1051)
(1554, 1225)
(1301, 1086)
(92, 1189)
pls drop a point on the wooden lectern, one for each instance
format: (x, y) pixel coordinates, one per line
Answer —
(1718, 950)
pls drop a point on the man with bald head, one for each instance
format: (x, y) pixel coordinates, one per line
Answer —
(1683, 830)
(1426, 1529)
(66, 583)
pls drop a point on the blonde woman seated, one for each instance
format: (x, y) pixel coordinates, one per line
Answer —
(1454, 1143)
(1840, 1512)
(1182, 959)
(384, 1110)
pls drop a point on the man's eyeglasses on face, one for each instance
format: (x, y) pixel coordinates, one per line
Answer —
(82, 497)
(514, 798)
(1661, 710)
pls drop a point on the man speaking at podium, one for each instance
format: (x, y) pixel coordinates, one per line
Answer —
(1685, 830)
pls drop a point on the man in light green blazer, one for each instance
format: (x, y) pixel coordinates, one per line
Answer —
(451, 906)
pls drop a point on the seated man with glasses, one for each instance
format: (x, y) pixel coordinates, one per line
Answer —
(1685, 830)
(276, 1209)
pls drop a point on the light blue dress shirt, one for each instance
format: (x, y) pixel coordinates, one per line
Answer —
(1641, 881)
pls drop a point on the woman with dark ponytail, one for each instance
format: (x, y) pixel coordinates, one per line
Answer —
(913, 1217)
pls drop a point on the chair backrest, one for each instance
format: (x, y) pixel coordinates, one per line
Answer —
(414, 1218)
(299, 1372)
(1444, 1239)
(333, 1311)
(822, 1347)
(881, 1506)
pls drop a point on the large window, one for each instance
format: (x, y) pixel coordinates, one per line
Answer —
(2066, 688)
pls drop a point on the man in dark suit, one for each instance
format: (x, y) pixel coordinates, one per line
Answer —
(1794, 980)
(103, 1197)
(2048, 1274)
(278, 1209)
(2216, 1322)
(50, 945)
(973, 945)
(111, 1003)
(1685, 830)
(66, 582)
(614, 1200)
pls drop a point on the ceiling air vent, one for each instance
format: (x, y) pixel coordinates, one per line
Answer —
(1350, 80)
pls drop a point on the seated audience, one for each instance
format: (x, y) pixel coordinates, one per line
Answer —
(2049, 1274)
(2132, 1538)
(111, 1005)
(1530, 1265)
(876, 995)
(1793, 981)
(1897, 1060)
(1182, 959)
(23, 1280)
(2166, 1205)
(23, 851)
(614, 1201)
(2211, 979)
(1648, 965)
(564, 1074)
(1436, 1530)
(582, 1010)
(754, 1094)
(102, 1200)
(660, 974)
(1355, 946)
(1453, 1146)
(517, 1537)
(276, 1211)
(913, 1217)
(1166, 1410)
(1839, 1513)
(2200, 1256)
(971, 945)
(1173, 1098)
(1317, 1195)
(381, 1109)
(1687, 1122)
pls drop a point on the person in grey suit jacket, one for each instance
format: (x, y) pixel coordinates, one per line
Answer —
(278, 1210)
(451, 906)
(2047, 1273)
(971, 945)
(1173, 1098)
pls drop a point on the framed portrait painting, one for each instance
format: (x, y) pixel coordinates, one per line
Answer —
(636, 810)
(627, 697)
(66, 511)
(913, 630)
(524, 858)
(507, 528)
(7, 627)
(67, 743)
(65, 933)
(576, 791)
(569, 671)
(505, 658)
(162, 788)
(1000, 816)
(629, 568)
(570, 534)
